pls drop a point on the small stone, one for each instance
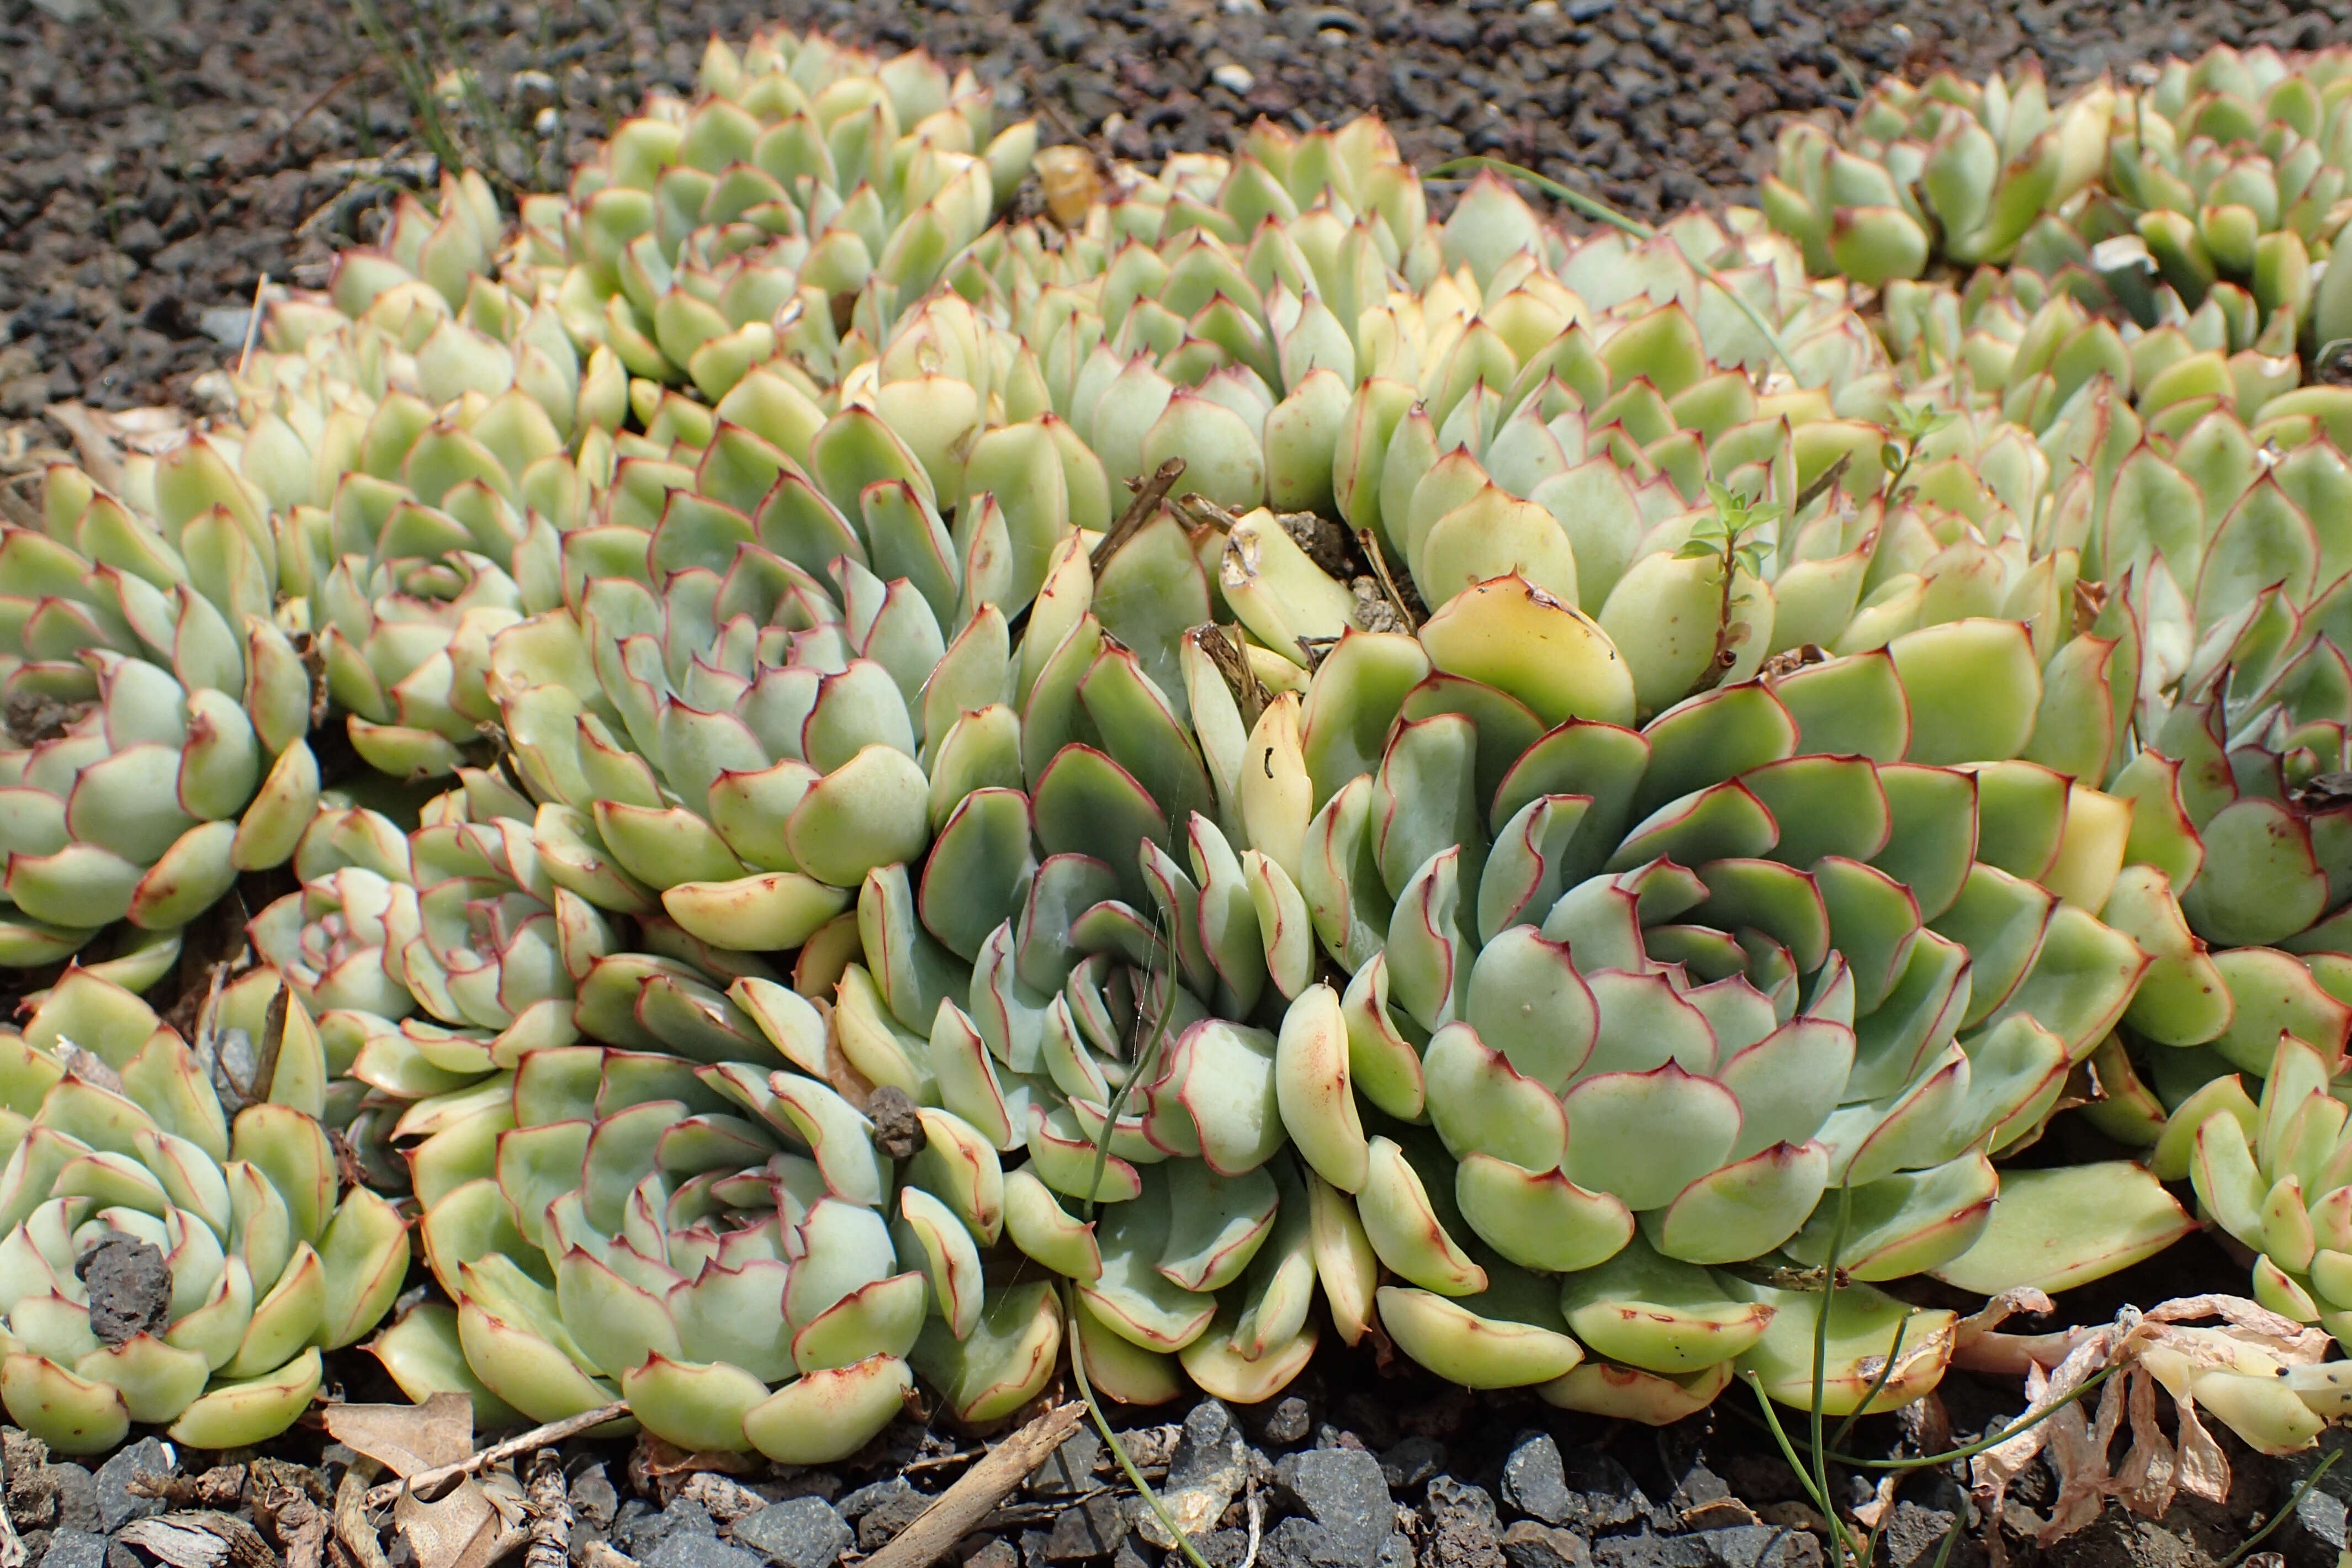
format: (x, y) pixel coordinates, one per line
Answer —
(140, 238)
(1063, 34)
(1208, 1467)
(2326, 1507)
(853, 1506)
(1914, 1538)
(1070, 1468)
(1092, 1530)
(75, 1548)
(1590, 1492)
(799, 1532)
(1534, 1481)
(23, 397)
(1699, 1488)
(593, 1497)
(1343, 1490)
(118, 1555)
(1412, 1461)
(1289, 1422)
(1303, 1543)
(129, 1287)
(645, 1534)
(1527, 1544)
(1742, 1546)
(118, 1505)
(76, 1491)
(887, 1515)
(1463, 1528)
(685, 1549)
(1234, 78)
(897, 1130)
(1218, 1548)
(997, 1554)
(225, 324)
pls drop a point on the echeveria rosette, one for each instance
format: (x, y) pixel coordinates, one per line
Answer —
(155, 745)
(706, 237)
(116, 1128)
(2211, 557)
(1948, 167)
(2271, 1172)
(1351, 819)
(1279, 365)
(724, 1248)
(455, 923)
(2218, 185)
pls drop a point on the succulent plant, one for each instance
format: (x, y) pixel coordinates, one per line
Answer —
(1591, 776)
(2217, 183)
(705, 237)
(1951, 167)
(692, 1237)
(121, 1133)
(155, 713)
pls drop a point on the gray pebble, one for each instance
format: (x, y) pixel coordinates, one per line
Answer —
(1288, 1422)
(884, 1516)
(1094, 1529)
(685, 1549)
(75, 1548)
(76, 1497)
(1070, 1468)
(1343, 1490)
(1738, 1546)
(118, 1505)
(1590, 1492)
(593, 1497)
(1413, 1461)
(1529, 1544)
(799, 1532)
(645, 1534)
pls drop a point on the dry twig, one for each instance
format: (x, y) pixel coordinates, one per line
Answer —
(551, 1514)
(429, 1484)
(1140, 511)
(352, 1526)
(976, 1494)
(1224, 650)
(252, 322)
(1389, 591)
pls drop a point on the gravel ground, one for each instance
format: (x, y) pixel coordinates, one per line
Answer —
(1354, 1466)
(157, 156)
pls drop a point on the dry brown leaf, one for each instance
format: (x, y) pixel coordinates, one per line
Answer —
(476, 1524)
(103, 437)
(2077, 1446)
(407, 1438)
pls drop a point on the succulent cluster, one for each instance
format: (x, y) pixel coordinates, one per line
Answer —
(2214, 182)
(855, 787)
(125, 1137)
